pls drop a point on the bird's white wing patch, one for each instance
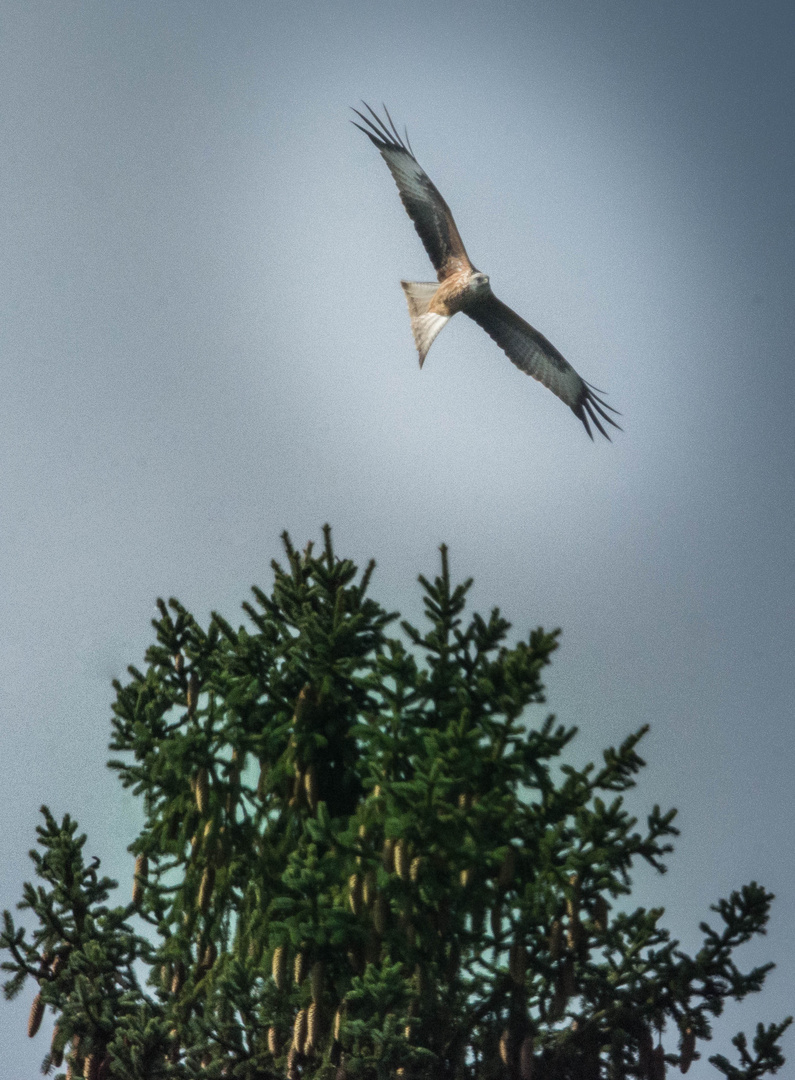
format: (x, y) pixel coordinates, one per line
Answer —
(425, 328)
(425, 324)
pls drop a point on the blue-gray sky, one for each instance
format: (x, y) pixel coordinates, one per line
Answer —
(204, 342)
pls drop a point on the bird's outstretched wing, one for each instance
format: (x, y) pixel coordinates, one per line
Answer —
(425, 206)
(531, 352)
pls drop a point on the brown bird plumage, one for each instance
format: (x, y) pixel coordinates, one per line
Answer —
(461, 287)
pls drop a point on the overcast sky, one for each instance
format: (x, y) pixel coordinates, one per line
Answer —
(204, 342)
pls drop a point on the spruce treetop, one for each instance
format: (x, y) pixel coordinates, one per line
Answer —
(364, 856)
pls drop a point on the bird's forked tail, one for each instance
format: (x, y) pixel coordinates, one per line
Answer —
(425, 324)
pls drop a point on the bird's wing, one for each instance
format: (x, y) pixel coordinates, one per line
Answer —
(425, 206)
(531, 352)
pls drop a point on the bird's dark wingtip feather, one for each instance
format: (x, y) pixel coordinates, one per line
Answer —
(369, 134)
(378, 131)
(594, 391)
(594, 408)
(371, 129)
(595, 420)
(594, 405)
(382, 126)
(588, 410)
(392, 124)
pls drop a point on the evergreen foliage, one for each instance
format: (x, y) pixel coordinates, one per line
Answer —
(359, 860)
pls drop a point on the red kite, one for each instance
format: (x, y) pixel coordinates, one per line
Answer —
(461, 287)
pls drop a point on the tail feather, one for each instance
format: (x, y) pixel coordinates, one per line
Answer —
(425, 324)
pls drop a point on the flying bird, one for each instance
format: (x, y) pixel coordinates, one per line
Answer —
(460, 287)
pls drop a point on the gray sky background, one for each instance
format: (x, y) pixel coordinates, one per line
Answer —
(204, 342)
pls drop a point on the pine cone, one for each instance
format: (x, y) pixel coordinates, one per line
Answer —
(206, 887)
(140, 876)
(645, 1051)
(505, 1040)
(91, 1067)
(57, 1047)
(292, 1068)
(310, 787)
(209, 957)
(273, 1041)
(193, 692)
(337, 1022)
(305, 702)
(688, 1051)
(299, 967)
(312, 1027)
(208, 831)
(368, 888)
(298, 788)
(388, 855)
(202, 790)
(657, 1071)
(35, 1016)
(300, 1031)
(178, 978)
(402, 859)
(279, 966)
(355, 893)
(316, 981)
(575, 934)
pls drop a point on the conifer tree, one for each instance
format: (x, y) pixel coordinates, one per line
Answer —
(361, 859)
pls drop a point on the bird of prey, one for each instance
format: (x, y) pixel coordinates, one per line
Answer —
(460, 287)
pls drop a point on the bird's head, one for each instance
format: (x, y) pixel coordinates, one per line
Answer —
(479, 284)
